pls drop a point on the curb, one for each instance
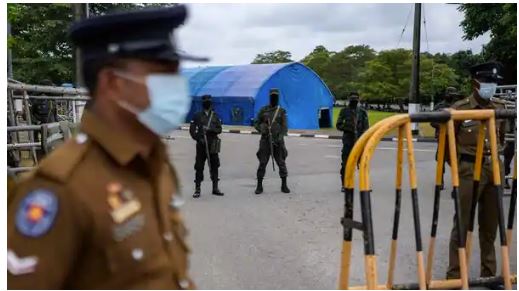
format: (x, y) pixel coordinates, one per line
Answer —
(321, 136)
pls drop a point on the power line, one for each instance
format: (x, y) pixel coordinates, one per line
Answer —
(425, 28)
(405, 26)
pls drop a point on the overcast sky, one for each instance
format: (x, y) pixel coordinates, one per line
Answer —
(232, 34)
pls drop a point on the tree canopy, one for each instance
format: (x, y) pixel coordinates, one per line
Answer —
(41, 50)
(40, 46)
(274, 57)
(500, 19)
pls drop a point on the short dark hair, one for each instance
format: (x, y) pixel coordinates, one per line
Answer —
(91, 69)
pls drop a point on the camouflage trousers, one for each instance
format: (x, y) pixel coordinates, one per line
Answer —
(263, 154)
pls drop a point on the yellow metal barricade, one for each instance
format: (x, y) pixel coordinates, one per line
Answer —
(360, 157)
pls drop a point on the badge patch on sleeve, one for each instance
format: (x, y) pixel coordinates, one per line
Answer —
(36, 213)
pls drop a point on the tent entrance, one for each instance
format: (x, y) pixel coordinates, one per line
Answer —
(324, 118)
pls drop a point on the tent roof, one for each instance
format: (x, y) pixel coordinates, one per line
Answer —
(198, 77)
(235, 81)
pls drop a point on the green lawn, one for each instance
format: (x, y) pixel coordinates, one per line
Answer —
(375, 116)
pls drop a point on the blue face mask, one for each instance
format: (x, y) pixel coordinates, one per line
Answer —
(169, 101)
(487, 90)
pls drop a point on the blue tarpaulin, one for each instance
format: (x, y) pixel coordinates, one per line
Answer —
(240, 91)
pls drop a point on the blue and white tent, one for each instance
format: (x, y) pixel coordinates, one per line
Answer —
(240, 91)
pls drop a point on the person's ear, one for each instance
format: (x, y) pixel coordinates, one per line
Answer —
(475, 84)
(110, 84)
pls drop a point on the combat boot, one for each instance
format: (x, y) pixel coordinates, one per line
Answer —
(216, 191)
(259, 187)
(284, 187)
(197, 190)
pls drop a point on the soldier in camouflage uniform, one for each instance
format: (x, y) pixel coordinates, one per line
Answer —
(353, 122)
(450, 96)
(271, 123)
(43, 111)
(484, 80)
(206, 126)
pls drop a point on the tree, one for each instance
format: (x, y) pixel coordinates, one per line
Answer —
(500, 19)
(434, 78)
(40, 45)
(461, 62)
(339, 70)
(376, 84)
(387, 78)
(318, 60)
(39, 41)
(274, 57)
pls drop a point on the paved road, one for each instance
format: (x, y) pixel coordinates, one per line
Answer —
(293, 241)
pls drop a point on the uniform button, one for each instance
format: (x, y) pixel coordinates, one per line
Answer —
(168, 236)
(81, 138)
(137, 254)
(184, 284)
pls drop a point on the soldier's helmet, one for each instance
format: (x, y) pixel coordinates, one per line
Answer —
(451, 91)
(274, 91)
(354, 96)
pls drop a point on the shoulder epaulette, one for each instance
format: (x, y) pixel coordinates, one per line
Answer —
(60, 164)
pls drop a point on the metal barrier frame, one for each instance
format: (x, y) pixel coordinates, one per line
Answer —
(363, 151)
(47, 139)
(45, 144)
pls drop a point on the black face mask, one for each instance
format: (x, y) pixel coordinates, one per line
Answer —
(274, 100)
(353, 104)
(206, 105)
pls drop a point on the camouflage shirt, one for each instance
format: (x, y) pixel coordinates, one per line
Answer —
(353, 122)
(276, 117)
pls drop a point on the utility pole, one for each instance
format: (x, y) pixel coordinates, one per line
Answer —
(80, 12)
(414, 94)
(9, 54)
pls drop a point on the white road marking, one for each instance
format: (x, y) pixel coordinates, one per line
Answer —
(383, 148)
(405, 139)
(416, 150)
(321, 136)
(179, 136)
